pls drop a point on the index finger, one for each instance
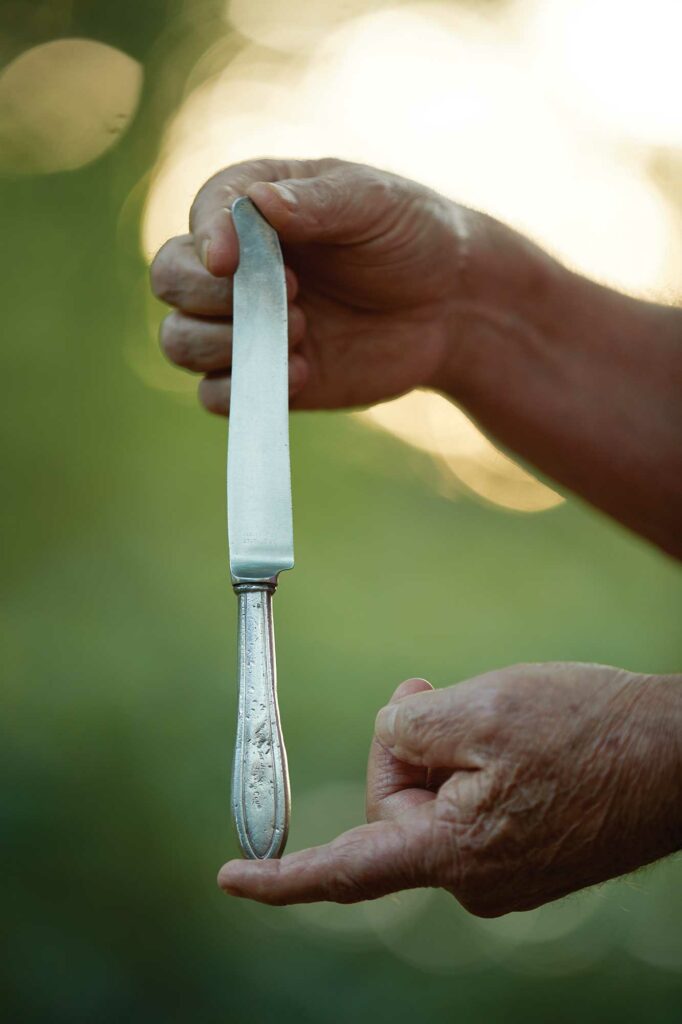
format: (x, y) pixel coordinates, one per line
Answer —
(393, 786)
(449, 728)
(210, 219)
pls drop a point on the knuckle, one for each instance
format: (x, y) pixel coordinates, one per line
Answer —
(344, 885)
(345, 888)
(480, 849)
(162, 274)
(194, 208)
(213, 398)
(411, 728)
(512, 689)
(221, 188)
(174, 340)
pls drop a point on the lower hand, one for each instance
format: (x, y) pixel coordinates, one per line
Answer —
(509, 790)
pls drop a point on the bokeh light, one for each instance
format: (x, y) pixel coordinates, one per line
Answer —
(450, 97)
(120, 698)
(614, 64)
(437, 937)
(652, 904)
(289, 25)
(550, 940)
(65, 103)
(432, 424)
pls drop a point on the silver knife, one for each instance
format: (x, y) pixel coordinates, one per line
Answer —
(259, 526)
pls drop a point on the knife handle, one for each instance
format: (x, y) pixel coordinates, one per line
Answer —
(260, 780)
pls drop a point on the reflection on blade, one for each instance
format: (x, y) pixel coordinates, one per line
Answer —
(259, 515)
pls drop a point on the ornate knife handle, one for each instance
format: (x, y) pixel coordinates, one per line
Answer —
(260, 780)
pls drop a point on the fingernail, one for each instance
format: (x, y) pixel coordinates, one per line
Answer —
(282, 192)
(385, 725)
(287, 195)
(205, 250)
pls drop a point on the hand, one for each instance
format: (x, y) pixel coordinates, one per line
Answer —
(509, 790)
(374, 269)
(391, 287)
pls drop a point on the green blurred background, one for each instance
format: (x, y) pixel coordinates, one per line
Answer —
(118, 702)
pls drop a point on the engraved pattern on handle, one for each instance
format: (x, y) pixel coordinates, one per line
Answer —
(260, 780)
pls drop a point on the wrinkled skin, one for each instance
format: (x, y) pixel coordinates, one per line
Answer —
(530, 782)
(370, 285)
(508, 790)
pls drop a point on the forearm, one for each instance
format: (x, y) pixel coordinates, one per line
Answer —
(579, 380)
(656, 767)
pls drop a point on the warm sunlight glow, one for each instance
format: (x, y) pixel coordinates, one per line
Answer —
(449, 100)
(289, 25)
(615, 64)
(431, 423)
(461, 102)
(65, 103)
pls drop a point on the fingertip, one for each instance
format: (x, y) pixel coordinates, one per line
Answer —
(214, 394)
(409, 686)
(276, 201)
(384, 726)
(227, 880)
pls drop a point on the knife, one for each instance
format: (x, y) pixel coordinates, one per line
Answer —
(259, 527)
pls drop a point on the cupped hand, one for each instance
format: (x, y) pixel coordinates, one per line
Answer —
(509, 790)
(373, 262)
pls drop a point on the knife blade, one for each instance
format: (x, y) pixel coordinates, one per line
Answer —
(260, 527)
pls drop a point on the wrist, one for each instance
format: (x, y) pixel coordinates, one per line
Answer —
(507, 295)
(579, 380)
(658, 757)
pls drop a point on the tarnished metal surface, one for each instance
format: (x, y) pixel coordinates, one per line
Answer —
(260, 784)
(260, 530)
(259, 516)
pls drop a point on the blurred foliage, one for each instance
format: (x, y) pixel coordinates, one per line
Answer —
(118, 633)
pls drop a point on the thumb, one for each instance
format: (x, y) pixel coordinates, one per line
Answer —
(334, 207)
(363, 864)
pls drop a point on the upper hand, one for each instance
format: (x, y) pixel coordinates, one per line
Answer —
(509, 790)
(373, 263)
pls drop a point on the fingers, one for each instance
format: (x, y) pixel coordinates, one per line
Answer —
(214, 391)
(214, 235)
(437, 728)
(362, 864)
(179, 278)
(195, 344)
(393, 786)
(339, 204)
(205, 346)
